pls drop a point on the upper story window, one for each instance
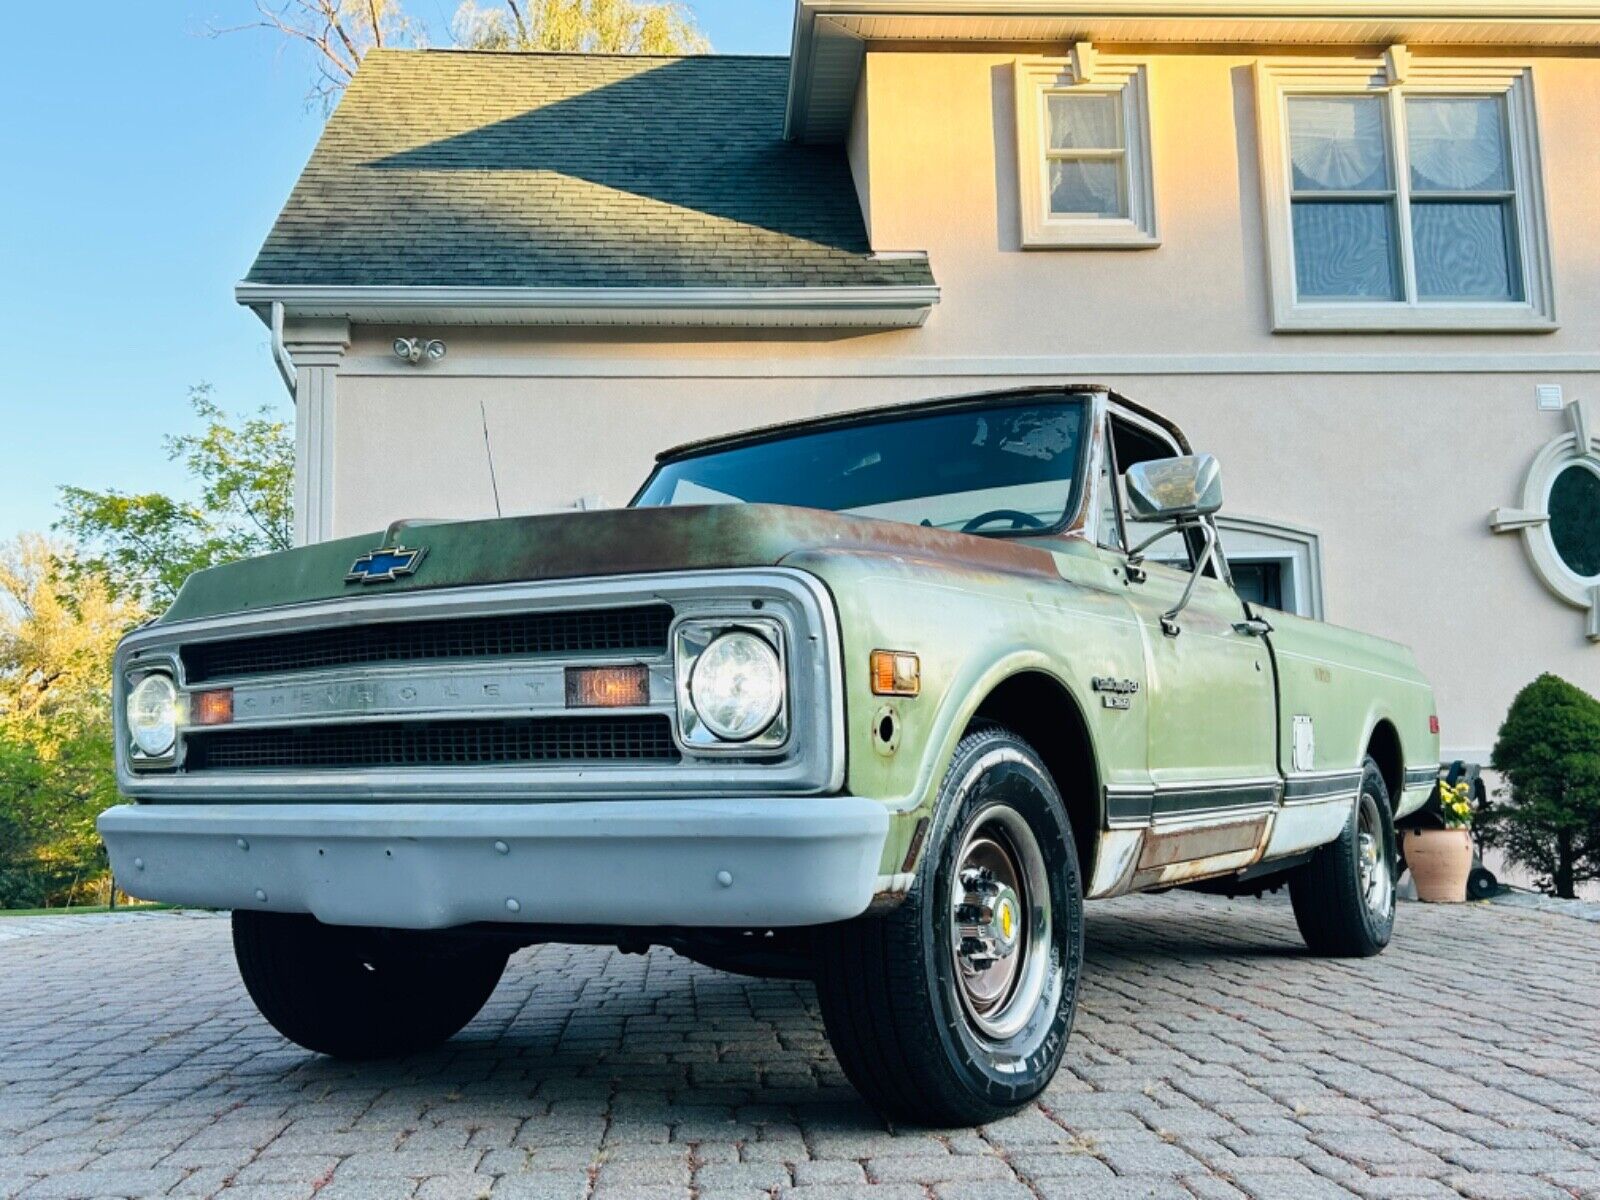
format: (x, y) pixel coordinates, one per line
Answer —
(1403, 199)
(1083, 152)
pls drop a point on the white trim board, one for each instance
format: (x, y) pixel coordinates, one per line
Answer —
(881, 307)
(535, 365)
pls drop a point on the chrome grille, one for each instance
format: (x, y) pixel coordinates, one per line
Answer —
(636, 630)
(437, 744)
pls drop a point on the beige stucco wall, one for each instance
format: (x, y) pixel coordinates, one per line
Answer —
(1394, 448)
(943, 175)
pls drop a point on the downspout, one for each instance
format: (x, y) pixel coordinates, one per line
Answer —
(280, 352)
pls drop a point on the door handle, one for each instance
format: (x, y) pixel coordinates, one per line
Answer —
(1254, 627)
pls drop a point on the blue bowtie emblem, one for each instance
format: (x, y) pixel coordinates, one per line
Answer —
(385, 564)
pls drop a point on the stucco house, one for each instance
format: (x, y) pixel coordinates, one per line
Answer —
(1352, 246)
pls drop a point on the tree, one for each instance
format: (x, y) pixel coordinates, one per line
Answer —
(1549, 752)
(57, 637)
(338, 32)
(143, 546)
(581, 26)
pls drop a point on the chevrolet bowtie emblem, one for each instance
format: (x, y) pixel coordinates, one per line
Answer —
(385, 564)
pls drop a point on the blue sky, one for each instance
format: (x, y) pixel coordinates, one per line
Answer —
(141, 173)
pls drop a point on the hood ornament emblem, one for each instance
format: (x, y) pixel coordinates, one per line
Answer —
(385, 564)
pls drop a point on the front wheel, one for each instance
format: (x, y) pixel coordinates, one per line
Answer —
(1344, 897)
(361, 993)
(954, 1009)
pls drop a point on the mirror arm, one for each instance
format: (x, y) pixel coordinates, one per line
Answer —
(1169, 619)
(1136, 556)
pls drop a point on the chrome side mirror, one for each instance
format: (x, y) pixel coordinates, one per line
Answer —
(1184, 491)
(1172, 489)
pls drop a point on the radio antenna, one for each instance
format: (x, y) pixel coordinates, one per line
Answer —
(489, 453)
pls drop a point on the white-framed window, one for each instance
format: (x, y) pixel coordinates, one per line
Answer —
(1083, 152)
(1403, 194)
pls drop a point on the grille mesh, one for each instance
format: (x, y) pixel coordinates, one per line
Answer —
(438, 744)
(641, 629)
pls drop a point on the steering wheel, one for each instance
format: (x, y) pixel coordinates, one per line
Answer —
(1018, 519)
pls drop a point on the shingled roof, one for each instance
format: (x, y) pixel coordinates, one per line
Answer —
(450, 169)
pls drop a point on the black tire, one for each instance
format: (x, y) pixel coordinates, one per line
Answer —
(1329, 894)
(892, 995)
(361, 993)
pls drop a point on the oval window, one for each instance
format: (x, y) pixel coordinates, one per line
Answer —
(1575, 519)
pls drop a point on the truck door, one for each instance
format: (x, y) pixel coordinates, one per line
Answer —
(1212, 712)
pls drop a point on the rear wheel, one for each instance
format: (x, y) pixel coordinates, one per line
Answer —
(1344, 897)
(361, 993)
(954, 1009)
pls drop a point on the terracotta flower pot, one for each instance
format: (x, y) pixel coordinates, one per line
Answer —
(1440, 861)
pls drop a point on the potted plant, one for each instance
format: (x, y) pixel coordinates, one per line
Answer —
(1441, 859)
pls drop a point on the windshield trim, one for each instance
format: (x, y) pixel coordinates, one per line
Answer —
(883, 416)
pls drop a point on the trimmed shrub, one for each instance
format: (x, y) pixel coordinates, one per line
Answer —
(1549, 752)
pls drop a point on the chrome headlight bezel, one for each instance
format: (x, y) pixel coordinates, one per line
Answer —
(140, 751)
(691, 638)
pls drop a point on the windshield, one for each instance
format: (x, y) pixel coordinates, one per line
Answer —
(990, 469)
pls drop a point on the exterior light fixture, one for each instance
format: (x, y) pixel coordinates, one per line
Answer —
(416, 350)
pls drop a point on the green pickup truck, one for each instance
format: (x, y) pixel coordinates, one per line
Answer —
(877, 700)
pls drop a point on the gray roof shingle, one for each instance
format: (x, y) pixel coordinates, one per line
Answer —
(462, 169)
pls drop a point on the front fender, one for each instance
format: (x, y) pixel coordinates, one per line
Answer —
(972, 630)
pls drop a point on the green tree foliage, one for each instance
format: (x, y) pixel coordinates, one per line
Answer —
(579, 26)
(143, 546)
(1549, 752)
(57, 636)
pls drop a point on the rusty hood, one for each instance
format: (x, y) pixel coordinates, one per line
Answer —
(628, 541)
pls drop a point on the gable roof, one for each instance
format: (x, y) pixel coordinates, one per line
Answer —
(495, 175)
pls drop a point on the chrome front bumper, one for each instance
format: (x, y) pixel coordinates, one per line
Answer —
(723, 862)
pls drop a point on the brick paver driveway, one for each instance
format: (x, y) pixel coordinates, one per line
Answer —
(1211, 1058)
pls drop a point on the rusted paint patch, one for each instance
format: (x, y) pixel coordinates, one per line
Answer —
(623, 541)
(1164, 849)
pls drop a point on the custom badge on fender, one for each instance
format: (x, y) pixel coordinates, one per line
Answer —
(1115, 693)
(385, 564)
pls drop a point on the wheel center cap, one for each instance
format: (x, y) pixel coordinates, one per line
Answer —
(1006, 925)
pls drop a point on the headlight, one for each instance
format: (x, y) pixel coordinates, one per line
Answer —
(153, 714)
(737, 686)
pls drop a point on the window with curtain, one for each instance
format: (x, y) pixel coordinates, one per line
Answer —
(1348, 204)
(1404, 205)
(1087, 155)
(1083, 154)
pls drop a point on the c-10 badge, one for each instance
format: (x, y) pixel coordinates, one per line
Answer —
(1115, 693)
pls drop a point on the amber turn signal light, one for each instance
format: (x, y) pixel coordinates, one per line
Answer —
(212, 708)
(896, 673)
(607, 687)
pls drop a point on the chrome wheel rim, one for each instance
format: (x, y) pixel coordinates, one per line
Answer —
(1374, 871)
(1000, 928)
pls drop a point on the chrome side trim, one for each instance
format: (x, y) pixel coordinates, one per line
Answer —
(1418, 776)
(1313, 788)
(1141, 805)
